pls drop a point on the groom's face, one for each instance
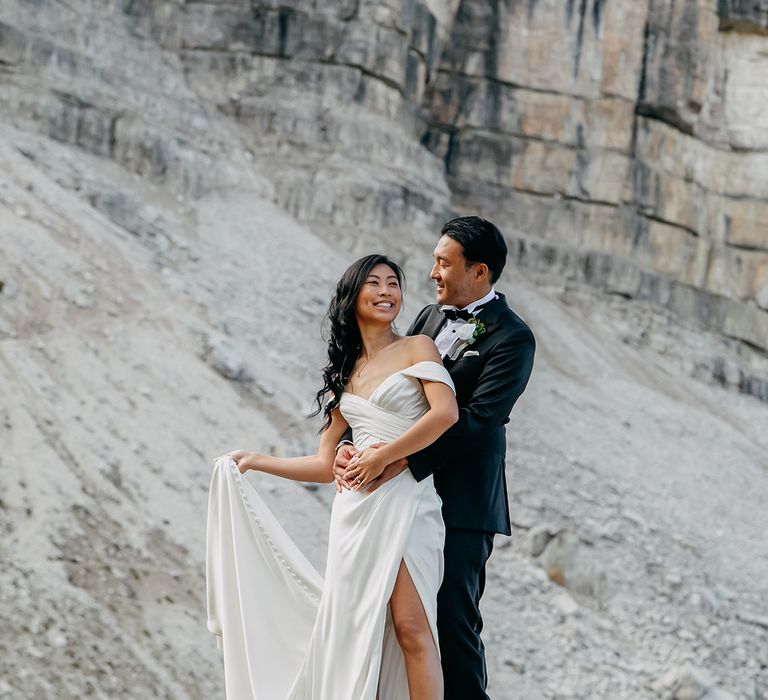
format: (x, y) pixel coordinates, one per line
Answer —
(455, 282)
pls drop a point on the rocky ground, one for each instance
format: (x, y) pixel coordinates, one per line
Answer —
(643, 491)
(142, 337)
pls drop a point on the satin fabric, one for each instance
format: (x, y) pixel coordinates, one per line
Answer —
(285, 632)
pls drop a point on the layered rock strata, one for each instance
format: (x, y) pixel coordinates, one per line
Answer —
(625, 143)
(620, 143)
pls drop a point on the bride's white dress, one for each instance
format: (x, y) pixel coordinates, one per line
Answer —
(286, 633)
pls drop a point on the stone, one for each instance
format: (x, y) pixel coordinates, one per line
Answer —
(673, 579)
(569, 562)
(565, 604)
(753, 619)
(691, 683)
(539, 536)
(743, 15)
(226, 359)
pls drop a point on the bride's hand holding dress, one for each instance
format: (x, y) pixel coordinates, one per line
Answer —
(283, 629)
(369, 630)
(242, 458)
(316, 468)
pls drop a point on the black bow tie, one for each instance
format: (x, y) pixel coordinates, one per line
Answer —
(453, 314)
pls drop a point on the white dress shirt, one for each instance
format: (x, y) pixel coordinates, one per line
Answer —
(447, 335)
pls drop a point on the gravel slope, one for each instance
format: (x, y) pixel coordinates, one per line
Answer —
(131, 355)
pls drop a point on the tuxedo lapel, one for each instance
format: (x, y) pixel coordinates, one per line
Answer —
(490, 315)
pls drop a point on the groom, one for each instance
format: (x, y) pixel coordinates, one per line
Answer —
(488, 351)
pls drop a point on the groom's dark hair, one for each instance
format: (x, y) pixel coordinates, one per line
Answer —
(481, 240)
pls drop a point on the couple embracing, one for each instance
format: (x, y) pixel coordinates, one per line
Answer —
(414, 438)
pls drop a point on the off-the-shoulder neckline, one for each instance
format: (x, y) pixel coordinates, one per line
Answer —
(389, 376)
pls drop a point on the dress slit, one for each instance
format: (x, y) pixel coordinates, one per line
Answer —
(291, 634)
(420, 593)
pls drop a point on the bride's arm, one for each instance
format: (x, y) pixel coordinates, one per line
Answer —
(317, 467)
(442, 414)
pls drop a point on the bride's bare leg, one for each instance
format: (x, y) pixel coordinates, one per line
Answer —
(422, 662)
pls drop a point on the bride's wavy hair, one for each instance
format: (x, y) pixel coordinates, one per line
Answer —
(343, 334)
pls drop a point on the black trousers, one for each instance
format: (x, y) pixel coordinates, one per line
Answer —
(459, 622)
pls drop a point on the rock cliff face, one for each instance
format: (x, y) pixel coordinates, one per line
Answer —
(182, 182)
(620, 143)
(329, 95)
(626, 142)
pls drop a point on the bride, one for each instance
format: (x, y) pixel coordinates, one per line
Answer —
(368, 631)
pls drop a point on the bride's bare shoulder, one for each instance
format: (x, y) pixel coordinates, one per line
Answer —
(421, 348)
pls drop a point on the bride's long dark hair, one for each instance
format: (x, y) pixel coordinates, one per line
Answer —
(344, 340)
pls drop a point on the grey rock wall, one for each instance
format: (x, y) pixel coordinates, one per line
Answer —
(624, 144)
(329, 94)
(744, 15)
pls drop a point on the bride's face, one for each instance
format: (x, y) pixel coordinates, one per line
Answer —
(379, 298)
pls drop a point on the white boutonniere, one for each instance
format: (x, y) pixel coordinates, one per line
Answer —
(467, 334)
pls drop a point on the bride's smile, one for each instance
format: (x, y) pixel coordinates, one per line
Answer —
(379, 299)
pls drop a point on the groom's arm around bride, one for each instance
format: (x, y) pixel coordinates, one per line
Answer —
(490, 377)
(486, 397)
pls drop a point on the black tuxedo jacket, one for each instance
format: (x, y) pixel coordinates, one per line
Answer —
(468, 460)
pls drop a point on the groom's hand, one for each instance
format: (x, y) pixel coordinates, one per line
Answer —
(390, 471)
(340, 465)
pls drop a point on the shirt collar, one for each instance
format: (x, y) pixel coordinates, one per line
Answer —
(471, 307)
